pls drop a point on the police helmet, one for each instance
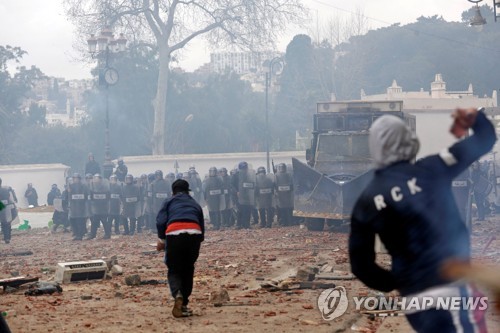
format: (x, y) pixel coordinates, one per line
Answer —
(243, 165)
(261, 170)
(129, 179)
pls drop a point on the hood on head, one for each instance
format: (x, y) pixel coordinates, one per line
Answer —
(392, 141)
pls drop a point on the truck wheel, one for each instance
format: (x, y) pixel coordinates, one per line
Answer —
(314, 224)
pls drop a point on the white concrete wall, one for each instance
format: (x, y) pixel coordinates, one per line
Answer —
(138, 165)
(433, 131)
(42, 176)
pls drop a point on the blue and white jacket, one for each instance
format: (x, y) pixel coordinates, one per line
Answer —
(412, 208)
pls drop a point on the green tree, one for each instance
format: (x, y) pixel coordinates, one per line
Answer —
(171, 25)
(306, 79)
(13, 89)
(36, 114)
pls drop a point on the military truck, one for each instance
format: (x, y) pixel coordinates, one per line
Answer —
(338, 162)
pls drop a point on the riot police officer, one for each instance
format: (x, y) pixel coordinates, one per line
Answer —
(170, 177)
(244, 184)
(160, 190)
(121, 170)
(131, 195)
(195, 184)
(228, 204)
(6, 216)
(148, 206)
(114, 216)
(264, 192)
(143, 184)
(99, 204)
(284, 191)
(214, 196)
(78, 194)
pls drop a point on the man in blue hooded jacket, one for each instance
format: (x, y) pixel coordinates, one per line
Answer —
(181, 229)
(412, 209)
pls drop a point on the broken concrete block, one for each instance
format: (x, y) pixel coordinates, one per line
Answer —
(133, 280)
(219, 297)
(110, 262)
(306, 273)
(117, 270)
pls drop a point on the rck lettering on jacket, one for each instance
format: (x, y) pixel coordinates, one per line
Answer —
(396, 194)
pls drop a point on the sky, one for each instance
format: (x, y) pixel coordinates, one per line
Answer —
(41, 28)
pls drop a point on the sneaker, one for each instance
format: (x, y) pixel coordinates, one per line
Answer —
(7, 241)
(177, 309)
(186, 312)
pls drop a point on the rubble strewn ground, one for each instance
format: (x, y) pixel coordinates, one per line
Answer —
(237, 261)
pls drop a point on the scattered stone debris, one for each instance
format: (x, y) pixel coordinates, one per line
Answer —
(219, 297)
(15, 282)
(112, 261)
(43, 288)
(153, 282)
(307, 273)
(16, 253)
(133, 280)
(117, 270)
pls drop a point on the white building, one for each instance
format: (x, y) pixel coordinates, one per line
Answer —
(433, 109)
(437, 99)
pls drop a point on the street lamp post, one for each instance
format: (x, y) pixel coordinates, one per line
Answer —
(102, 47)
(270, 68)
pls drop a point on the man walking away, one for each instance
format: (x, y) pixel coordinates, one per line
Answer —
(181, 229)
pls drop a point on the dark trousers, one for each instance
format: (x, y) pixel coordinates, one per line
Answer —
(78, 225)
(285, 216)
(226, 217)
(244, 213)
(95, 223)
(60, 218)
(215, 218)
(4, 328)
(255, 216)
(481, 209)
(140, 223)
(114, 221)
(181, 253)
(152, 222)
(129, 225)
(266, 217)
(6, 230)
(463, 319)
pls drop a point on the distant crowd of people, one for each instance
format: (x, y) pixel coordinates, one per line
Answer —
(126, 204)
